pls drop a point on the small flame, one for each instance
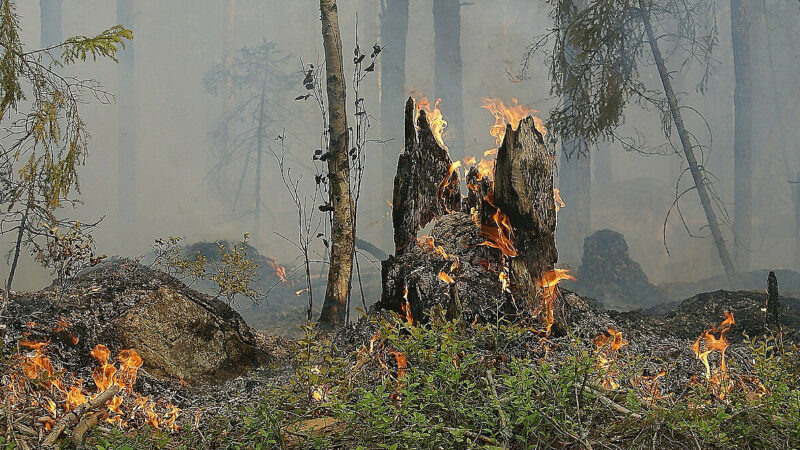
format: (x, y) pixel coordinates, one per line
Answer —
(446, 278)
(435, 117)
(501, 235)
(557, 197)
(547, 286)
(709, 341)
(607, 347)
(280, 271)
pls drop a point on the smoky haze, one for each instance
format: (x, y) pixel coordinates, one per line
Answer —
(177, 193)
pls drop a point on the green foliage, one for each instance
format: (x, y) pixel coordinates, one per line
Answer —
(67, 253)
(49, 140)
(462, 390)
(105, 44)
(170, 259)
(233, 273)
(597, 54)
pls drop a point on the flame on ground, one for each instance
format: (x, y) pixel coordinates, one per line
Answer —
(34, 382)
(280, 271)
(714, 340)
(607, 349)
(547, 287)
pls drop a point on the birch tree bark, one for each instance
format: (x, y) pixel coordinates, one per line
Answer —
(341, 261)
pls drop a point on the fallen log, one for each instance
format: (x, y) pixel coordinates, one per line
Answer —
(74, 415)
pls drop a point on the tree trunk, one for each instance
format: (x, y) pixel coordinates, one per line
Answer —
(394, 31)
(575, 185)
(603, 160)
(342, 245)
(743, 125)
(447, 70)
(523, 190)
(227, 61)
(697, 176)
(259, 157)
(424, 187)
(796, 184)
(17, 247)
(126, 104)
(50, 11)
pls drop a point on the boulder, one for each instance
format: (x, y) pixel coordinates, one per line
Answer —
(181, 334)
(608, 274)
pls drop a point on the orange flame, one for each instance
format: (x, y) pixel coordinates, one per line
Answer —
(446, 278)
(280, 271)
(500, 236)
(557, 197)
(547, 286)
(435, 117)
(511, 114)
(607, 346)
(709, 341)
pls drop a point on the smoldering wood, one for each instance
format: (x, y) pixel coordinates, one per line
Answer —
(422, 175)
(77, 413)
(425, 189)
(523, 190)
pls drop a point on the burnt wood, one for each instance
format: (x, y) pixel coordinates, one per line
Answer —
(424, 189)
(523, 190)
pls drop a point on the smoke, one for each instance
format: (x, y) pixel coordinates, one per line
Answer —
(178, 41)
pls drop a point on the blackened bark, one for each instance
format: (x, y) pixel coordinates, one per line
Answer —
(447, 69)
(523, 190)
(743, 125)
(773, 301)
(340, 270)
(424, 187)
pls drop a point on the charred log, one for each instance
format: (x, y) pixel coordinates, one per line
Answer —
(425, 186)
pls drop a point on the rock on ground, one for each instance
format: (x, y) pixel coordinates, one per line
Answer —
(180, 333)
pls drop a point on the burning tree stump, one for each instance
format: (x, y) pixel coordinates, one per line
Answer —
(491, 261)
(426, 185)
(523, 191)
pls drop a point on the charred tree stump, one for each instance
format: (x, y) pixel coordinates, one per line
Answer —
(425, 187)
(503, 231)
(523, 190)
(773, 301)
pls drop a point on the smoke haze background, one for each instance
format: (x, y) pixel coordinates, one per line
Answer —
(177, 41)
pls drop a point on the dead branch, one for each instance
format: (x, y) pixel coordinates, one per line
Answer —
(78, 412)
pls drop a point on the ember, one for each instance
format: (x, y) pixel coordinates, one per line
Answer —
(607, 349)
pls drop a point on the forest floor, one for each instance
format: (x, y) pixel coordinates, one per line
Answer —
(608, 380)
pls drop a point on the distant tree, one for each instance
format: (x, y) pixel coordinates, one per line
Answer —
(394, 32)
(334, 307)
(126, 133)
(574, 182)
(448, 68)
(258, 86)
(46, 137)
(612, 39)
(743, 130)
(50, 13)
